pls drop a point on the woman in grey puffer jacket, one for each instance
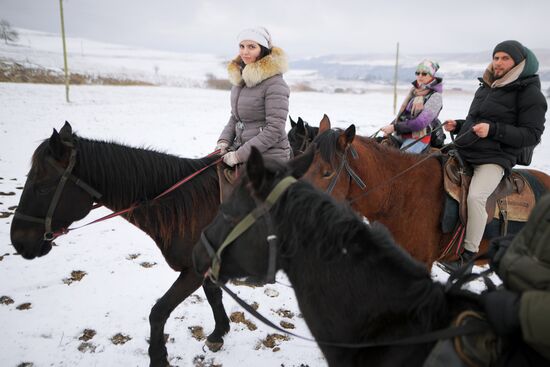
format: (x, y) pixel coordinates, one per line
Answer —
(259, 101)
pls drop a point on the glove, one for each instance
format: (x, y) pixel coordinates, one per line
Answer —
(497, 248)
(222, 146)
(502, 309)
(231, 159)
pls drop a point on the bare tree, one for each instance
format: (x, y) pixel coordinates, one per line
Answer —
(7, 33)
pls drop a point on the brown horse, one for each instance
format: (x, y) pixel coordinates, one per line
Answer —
(409, 202)
(69, 173)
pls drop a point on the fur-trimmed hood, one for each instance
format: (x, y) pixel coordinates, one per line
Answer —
(255, 73)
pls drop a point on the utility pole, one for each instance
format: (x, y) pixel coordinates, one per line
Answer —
(395, 80)
(64, 52)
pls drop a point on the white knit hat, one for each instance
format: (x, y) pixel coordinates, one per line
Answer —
(260, 35)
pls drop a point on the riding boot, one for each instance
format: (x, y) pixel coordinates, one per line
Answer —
(464, 259)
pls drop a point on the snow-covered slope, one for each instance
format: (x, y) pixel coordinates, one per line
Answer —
(40, 49)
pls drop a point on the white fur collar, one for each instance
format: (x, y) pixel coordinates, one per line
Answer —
(255, 73)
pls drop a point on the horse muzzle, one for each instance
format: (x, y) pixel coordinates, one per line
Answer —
(30, 247)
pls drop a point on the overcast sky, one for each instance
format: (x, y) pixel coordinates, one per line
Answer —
(302, 28)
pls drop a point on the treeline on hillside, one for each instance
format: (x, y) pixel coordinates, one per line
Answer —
(18, 73)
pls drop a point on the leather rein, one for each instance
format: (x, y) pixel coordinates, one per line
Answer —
(263, 210)
(66, 174)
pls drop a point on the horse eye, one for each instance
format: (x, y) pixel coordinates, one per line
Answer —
(327, 174)
(228, 218)
(44, 190)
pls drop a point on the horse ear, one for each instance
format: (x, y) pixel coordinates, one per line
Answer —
(66, 133)
(300, 125)
(346, 138)
(292, 122)
(255, 168)
(56, 145)
(324, 124)
(300, 165)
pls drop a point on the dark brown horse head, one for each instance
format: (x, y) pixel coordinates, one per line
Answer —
(300, 136)
(251, 190)
(52, 198)
(329, 147)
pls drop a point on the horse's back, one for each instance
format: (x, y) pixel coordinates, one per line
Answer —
(538, 180)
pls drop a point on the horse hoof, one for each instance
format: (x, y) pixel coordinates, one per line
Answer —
(214, 346)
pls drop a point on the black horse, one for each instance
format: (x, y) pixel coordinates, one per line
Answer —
(352, 282)
(300, 135)
(67, 171)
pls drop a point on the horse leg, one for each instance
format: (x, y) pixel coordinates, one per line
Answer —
(186, 284)
(214, 295)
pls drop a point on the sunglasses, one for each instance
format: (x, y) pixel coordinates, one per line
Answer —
(421, 73)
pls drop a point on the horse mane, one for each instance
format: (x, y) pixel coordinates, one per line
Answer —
(346, 244)
(127, 175)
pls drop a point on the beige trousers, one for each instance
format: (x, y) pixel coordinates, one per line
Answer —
(484, 181)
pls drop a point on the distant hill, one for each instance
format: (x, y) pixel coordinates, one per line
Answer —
(38, 57)
(379, 68)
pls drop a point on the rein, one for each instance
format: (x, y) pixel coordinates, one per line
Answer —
(429, 337)
(50, 235)
(429, 155)
(137, 205)
(263, 210)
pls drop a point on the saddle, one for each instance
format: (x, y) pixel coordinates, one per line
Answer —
(512, 200)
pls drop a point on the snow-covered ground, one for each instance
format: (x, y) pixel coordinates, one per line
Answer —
(125, 273)
(116, 293)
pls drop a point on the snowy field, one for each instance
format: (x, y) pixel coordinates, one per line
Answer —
(118, 290)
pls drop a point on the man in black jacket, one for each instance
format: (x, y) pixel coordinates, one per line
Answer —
(507, 114)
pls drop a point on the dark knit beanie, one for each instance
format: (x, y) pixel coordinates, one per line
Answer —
(513, 48)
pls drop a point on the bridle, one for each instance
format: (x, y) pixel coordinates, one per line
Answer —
(66, 174)
(260, 211)
(306, 140)
(345, 164)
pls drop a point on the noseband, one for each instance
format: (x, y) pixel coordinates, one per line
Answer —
(244, 225)
(66, 174)
(344, 164)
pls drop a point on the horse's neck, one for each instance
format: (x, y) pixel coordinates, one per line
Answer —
(121, 174)
(380, 163)
(348, 286)
(387, 171)
(337, 309)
